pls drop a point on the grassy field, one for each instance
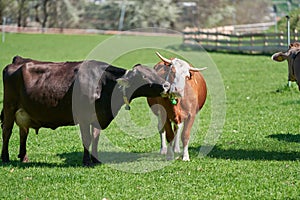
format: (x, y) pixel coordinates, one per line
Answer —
(256, 157)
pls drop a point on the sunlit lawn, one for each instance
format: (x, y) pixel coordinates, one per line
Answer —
(256, 157)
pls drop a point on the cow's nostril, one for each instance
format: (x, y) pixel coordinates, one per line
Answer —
(166, 86)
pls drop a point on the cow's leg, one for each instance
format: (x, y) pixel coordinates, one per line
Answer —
(86, 141)
(95, 140)
(178, 129)
(161, 119)
(8, 119)
(23, 138)
(185, 137)
(170, 138)
(170, 151)
(163, 145)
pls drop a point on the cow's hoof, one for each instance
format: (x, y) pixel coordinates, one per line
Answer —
(5, 158)
(88, 164)
(95, 160)
(177, 150)
(186, 158)
(170, 157)
(163, 151)
(25, 159)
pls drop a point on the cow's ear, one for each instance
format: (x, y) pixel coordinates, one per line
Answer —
(123, 82)
(280, 56)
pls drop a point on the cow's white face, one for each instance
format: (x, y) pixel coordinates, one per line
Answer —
(179, 72)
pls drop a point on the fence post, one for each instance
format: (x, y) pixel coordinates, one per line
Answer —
(288, 30)
(288, 40)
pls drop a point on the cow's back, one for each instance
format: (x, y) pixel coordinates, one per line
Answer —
(41, 91)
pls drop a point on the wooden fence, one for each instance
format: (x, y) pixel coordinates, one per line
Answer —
(253, 43)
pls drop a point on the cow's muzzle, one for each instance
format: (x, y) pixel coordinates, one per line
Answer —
(166, 86)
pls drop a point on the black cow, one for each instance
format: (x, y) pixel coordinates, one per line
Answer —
(53, 94)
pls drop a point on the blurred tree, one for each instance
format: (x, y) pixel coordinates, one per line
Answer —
(41, 12)
(58, 13)
(4, 8)
(138, 14)
(101, 16)
(155, 13)
(212, 13)
(254, 11)
(294, 21)
(22, 13)
(105, 14)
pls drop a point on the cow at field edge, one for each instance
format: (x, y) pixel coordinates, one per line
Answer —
(186, 97)
(293, 58)
(53, 94)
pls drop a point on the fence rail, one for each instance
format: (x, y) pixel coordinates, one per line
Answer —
(254, 43)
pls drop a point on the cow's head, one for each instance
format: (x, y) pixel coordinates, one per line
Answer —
(293, 58)
(143, 81)
(176, 72)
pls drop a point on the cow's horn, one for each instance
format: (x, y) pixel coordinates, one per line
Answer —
(163, 58)
(197, 69)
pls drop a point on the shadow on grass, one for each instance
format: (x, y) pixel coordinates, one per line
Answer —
(291, 102)
(74, 159)
(105, 157)
(18, 164)
(286, 137)
(251, 154)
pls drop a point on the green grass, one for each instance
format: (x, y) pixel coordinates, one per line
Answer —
(256, 157)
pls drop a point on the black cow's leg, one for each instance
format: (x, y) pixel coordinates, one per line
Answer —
(86, 141)
(23, 138)
(95, 140)
(7, 125)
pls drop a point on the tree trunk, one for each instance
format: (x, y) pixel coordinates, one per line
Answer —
(20, 12)
(45, 11)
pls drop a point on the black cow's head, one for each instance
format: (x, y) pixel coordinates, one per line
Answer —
(293, 58)
(143, 81)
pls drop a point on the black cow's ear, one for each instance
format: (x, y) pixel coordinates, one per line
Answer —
(280, 56)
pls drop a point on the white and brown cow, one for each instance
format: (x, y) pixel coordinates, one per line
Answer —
(185, 98)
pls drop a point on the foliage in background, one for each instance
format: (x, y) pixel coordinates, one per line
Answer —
(174, 14)
(294, 21)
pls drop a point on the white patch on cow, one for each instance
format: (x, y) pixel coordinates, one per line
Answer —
(163, 147)
(186, 156)
(182, 71)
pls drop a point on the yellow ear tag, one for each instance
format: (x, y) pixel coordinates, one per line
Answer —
(279, 58)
